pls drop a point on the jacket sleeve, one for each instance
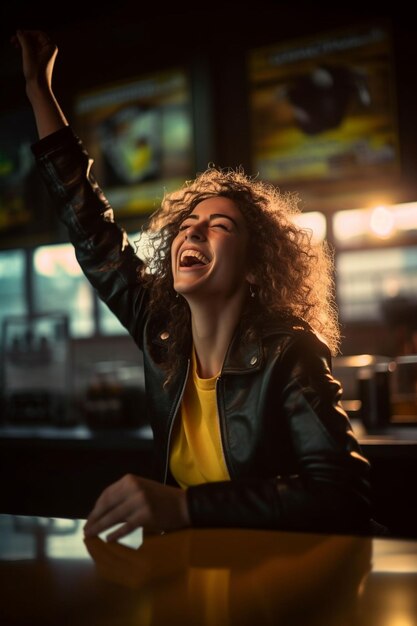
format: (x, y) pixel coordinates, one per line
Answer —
(101, 246)
(330, 490)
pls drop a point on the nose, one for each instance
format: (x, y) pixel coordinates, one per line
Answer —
(195, 232)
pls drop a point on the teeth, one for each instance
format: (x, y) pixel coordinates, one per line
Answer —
(198, 255)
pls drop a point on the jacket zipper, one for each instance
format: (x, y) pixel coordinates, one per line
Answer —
(219, 424)
(175, 413)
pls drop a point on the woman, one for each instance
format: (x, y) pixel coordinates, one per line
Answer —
(235, 319)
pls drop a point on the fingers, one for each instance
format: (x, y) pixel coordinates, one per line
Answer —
(128, 514)
(109, 500)
(101, 523)
(20, 39)
(39, 36)
(122, 531)
(135, 502)
(32, 39)
(122, 502)
(113, 496)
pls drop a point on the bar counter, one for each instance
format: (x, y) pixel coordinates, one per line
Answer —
(50, 575)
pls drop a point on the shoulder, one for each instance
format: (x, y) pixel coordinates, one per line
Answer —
(294, 339)
(272, 345)
(293, 328)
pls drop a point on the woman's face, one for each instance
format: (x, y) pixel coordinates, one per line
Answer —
(209, 253)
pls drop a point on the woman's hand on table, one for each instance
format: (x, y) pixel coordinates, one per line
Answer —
(138, 502)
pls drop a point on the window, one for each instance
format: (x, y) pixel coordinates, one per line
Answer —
(373, 266)
(108, 322)
(368, 278)
(12, 283)
(60, 286)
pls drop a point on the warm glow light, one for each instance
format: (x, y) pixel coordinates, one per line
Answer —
(83, 297)
(406, 216)
(314, 221)
(360, 360)
(382, 222)
(400, 619)
(56, 260)
(391, 286)
(350, 224)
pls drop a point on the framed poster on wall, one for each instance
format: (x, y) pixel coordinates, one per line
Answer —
(323, 109)
(140, 135)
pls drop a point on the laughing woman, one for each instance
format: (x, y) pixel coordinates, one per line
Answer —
(234, 315)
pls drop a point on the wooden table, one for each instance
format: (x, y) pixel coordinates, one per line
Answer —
(227, 577)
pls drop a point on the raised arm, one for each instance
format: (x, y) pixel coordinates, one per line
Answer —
(38, 59)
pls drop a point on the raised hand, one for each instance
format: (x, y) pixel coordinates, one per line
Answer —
(38, 59)
(38, 56)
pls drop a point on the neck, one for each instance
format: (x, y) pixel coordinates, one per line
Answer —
(213, 325)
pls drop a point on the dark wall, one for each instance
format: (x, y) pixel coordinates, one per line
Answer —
(129, 39)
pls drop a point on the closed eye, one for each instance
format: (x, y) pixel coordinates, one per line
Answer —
(183, 227)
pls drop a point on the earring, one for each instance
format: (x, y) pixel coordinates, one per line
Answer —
(252, 290)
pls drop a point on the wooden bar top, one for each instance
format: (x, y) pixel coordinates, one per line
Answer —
(50, 575)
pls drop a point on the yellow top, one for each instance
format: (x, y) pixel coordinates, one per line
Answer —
(196, 451)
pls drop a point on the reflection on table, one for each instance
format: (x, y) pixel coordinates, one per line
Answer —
(198, 577)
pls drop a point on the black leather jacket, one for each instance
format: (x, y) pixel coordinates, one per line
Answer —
(293, 459)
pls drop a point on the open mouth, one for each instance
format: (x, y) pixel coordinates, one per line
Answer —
(193, 258)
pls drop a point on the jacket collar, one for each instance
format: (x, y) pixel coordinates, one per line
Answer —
(243, 356)
(248, 356)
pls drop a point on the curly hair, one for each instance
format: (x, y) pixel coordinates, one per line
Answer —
(293, 276)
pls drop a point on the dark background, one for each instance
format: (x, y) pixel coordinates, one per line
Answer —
(126, 39)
